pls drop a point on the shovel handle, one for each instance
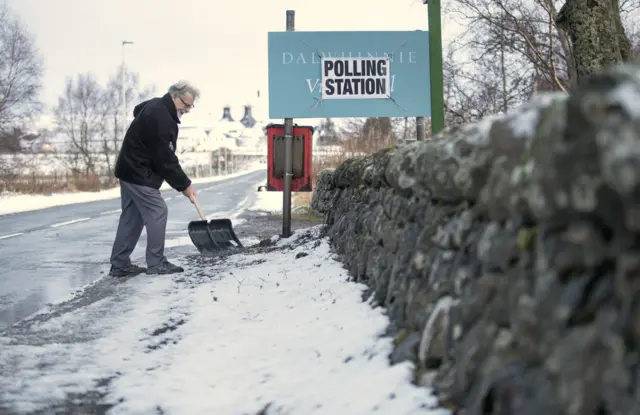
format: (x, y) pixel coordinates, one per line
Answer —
(195, 202)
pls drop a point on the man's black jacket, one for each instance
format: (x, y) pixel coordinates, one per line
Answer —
(147, 156)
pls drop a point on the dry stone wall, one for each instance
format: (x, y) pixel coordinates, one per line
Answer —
(507, 252)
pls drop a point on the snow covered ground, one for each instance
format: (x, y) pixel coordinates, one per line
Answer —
(271, 202)
(280, 329)
(12, 203)
(268, 202)
(283, 327)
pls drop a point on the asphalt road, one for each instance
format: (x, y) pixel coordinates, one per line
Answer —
(47, 254)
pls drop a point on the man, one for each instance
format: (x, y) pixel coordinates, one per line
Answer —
(147, 158)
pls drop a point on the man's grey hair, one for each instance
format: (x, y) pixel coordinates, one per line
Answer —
(181, 88)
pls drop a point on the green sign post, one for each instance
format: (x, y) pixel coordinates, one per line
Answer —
(435, 62)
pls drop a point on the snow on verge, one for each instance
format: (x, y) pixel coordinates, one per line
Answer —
(270, 202)
(14, 203)
(226, 338)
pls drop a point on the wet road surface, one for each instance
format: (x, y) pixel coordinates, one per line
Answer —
(47, 254)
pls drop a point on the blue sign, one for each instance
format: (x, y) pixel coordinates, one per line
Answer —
(370, 74)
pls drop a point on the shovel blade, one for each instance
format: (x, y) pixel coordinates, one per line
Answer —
(213, 235)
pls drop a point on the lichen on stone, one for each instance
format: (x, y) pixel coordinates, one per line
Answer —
(505, 251)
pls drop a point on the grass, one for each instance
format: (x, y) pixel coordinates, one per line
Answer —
(302, 217)
(46, 184)
(302, 199)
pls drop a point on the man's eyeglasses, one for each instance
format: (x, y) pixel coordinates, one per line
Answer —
(188, 106)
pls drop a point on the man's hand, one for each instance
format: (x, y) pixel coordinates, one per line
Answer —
(190, 193)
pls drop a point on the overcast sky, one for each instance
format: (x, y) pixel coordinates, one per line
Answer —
(221, 46)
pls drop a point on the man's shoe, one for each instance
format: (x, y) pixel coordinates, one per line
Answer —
(164, 268)
(128, 271)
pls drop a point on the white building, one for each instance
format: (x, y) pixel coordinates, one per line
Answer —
(247, 135)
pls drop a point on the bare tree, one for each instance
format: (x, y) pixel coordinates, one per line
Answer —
(635, 46)
(529, 33)
(477, 88)
(327, 133)
(80, 117)
(405, 128)
(522, 31)
(368, 135)
(114, 127)
(21, 69)
(20, 82)
(134, 94)
(89, 119)
(351, 128)
(10, 157)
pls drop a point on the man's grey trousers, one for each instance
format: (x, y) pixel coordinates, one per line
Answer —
(141, 207)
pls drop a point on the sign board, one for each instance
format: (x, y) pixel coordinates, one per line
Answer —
(355, 78)
(368, 74)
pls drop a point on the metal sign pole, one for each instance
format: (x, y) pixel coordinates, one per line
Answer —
(420, 128)
(288, 154)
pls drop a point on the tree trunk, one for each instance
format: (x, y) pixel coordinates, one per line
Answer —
(597, 34)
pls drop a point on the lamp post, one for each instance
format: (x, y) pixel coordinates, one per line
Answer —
(124, 91)
(435, 65)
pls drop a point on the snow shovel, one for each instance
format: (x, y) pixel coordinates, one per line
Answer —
(211, 236)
